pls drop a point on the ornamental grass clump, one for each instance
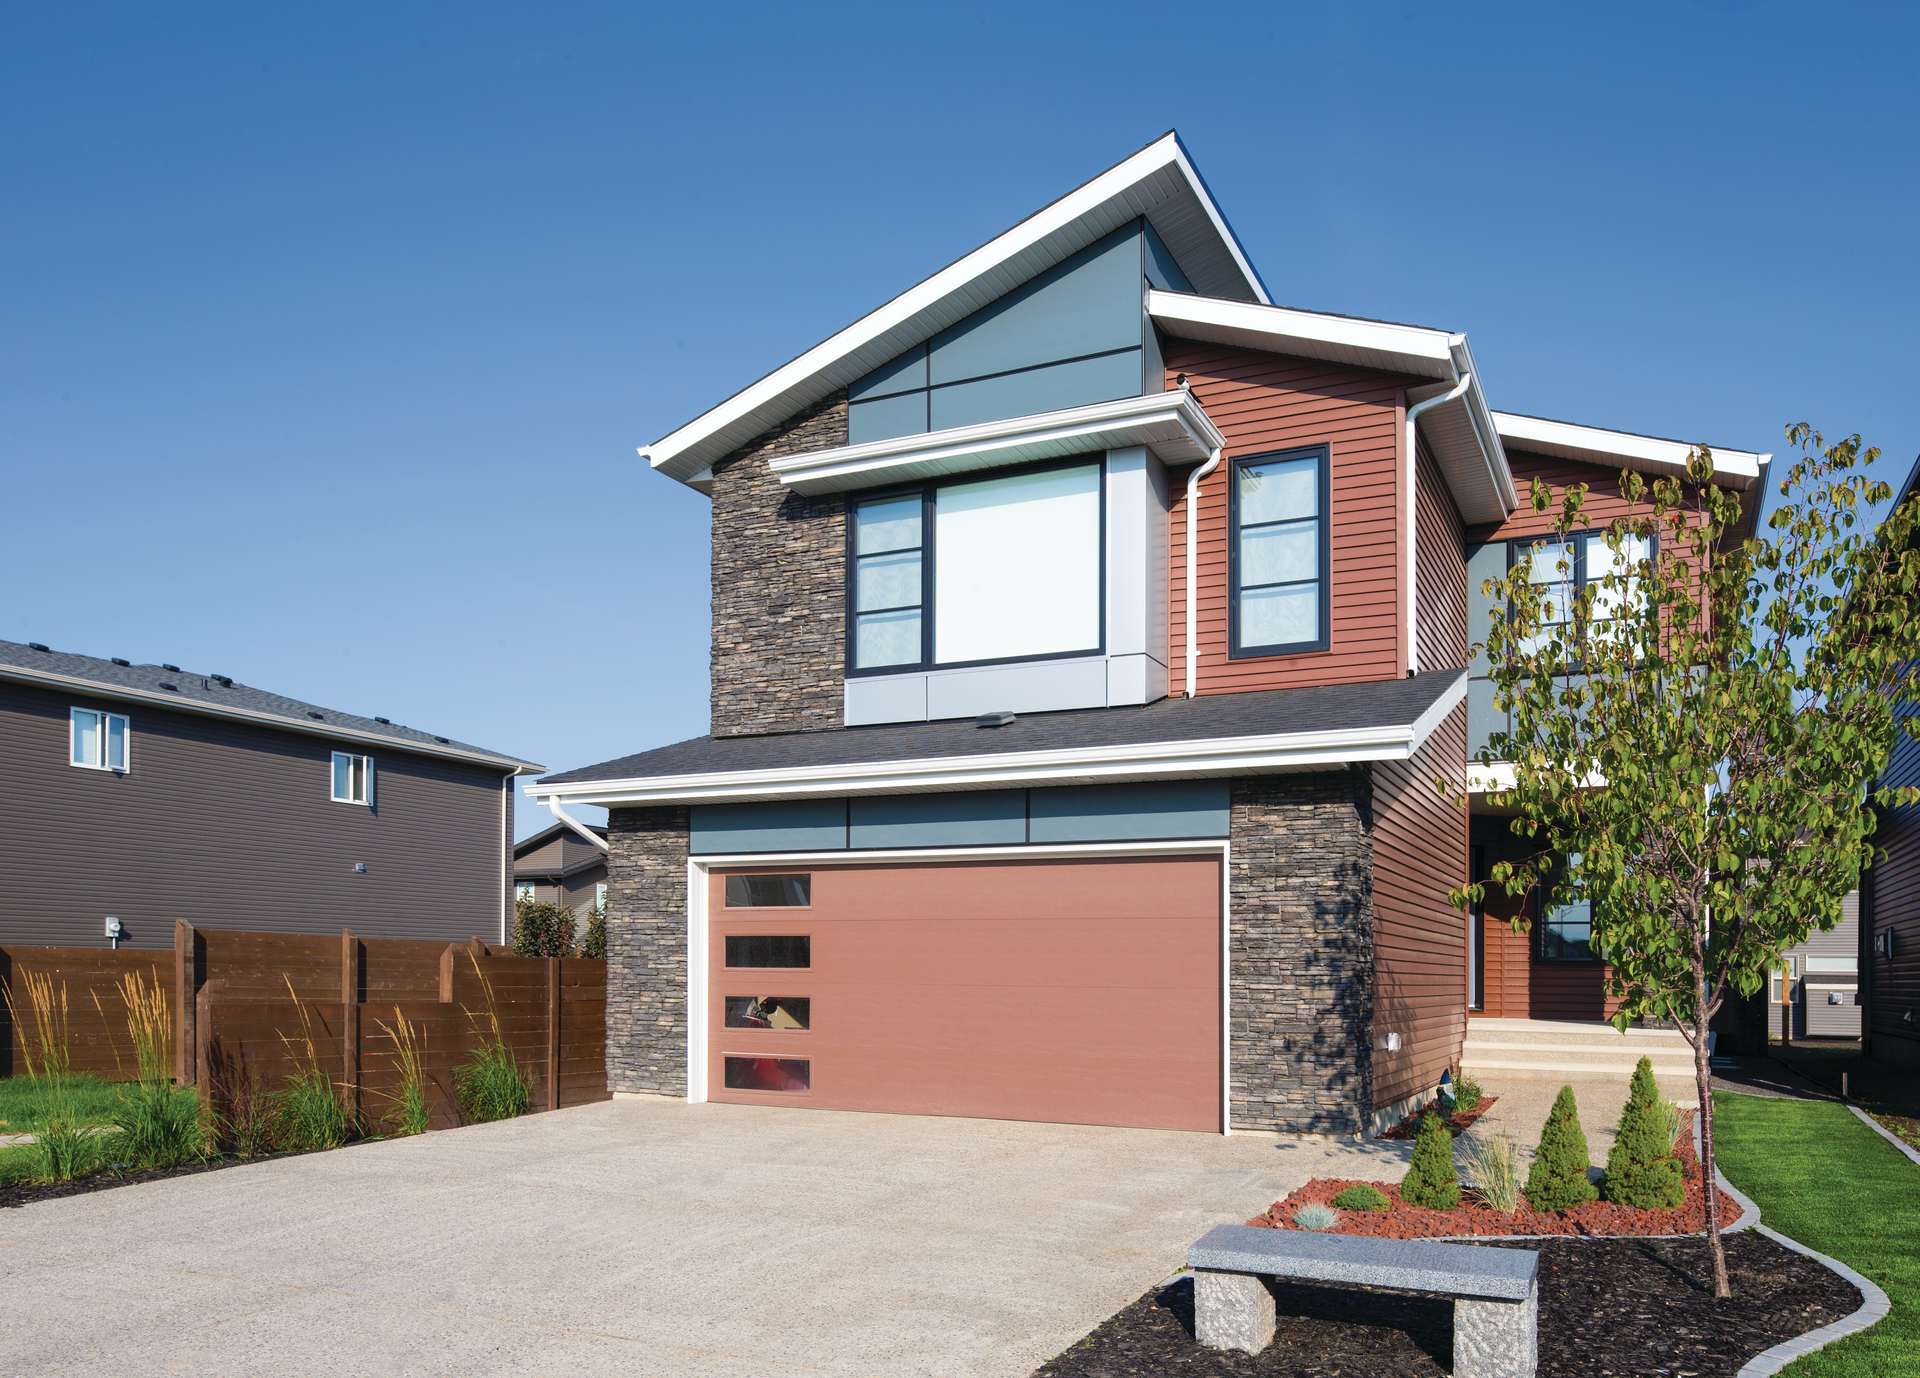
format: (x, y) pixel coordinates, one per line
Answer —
(1675, 1120)
(1557, 1180)
(308, 1106)
(62, 1148)
(1641, 1171)
(245, 1115)
(1316, 1218)
(1432, 1180)
(156, 1125)
(490, 1084)
(1363, 1197)
(1491, 1165)
(409, 1113)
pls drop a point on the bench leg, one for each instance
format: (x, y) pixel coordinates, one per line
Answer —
(1232, 1311)
(1496, 1339)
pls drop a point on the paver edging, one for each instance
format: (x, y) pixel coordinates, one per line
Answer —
(1885, 1133)
(1873, 1307)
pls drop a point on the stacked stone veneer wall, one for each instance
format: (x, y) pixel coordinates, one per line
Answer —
(1301, 958)
(779, 585)
(647, 950)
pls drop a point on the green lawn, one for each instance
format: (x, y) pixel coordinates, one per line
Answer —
(1823, 1178)
(94, 1101)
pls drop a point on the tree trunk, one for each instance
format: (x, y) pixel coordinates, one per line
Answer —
(1703, 1083)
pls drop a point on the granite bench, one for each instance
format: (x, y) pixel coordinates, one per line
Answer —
(1496, 1292)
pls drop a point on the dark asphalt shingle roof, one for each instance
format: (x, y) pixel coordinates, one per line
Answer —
(193, 691)
(1330, 708)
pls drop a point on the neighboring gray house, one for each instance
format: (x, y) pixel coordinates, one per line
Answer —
(1821, 982)
(151, 794)
(559, 866)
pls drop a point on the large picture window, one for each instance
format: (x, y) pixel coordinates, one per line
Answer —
(1277, 559)
(1558, 568)
(967, 573)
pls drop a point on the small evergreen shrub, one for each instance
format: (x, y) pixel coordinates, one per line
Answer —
(1432, 1181)
(1363, 1198)
(1557, 1180)
(1316, 1218)
(1641, 1171)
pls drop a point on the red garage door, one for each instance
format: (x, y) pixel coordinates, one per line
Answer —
(1084, 992)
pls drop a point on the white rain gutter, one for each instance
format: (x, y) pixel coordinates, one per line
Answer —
(1193, 546)
(1411, 535)
(554, 805)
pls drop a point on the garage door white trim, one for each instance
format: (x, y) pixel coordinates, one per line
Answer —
(698, 868)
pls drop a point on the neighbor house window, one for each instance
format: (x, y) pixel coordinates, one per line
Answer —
(1003, 568)
(1558, 568)
(1277, 560)
(352, 778)
(521, 891)
(599, 897)
(99, 740)
(1783, 979)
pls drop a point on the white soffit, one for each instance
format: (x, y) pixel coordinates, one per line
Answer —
(1621, 450)
(1158, 182)
(1171, 424)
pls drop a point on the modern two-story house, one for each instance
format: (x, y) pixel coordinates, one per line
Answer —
(144, 795)
(1089, 632)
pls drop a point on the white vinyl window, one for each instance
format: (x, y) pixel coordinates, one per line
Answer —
(352, 778)
(523, 891)
(99, 740)
(599, 897)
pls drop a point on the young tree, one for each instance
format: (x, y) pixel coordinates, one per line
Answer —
(1694, 732)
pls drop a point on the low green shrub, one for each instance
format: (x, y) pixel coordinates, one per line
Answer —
(593, 943)
(1557, 1181)
(542, 929)
(1432, 1180)
(1316, 1218)
(1467, 1094)
(1363, 1197)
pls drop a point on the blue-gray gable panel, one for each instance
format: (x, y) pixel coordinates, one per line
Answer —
(1038, 390)
(906, 372)
(1162, 271)
(987, 818)
(1483, 715)
(886, 418)
(1088, 304)
(803, 825)
(1130, 813)
(1484, 562)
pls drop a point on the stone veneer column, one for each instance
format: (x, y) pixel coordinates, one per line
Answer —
(647, 950)
(1301, 959)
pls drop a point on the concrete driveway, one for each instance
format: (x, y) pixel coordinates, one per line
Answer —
(637, 1236)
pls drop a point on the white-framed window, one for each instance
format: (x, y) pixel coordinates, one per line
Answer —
(523, 891)
(99, 740)
(352, 778)
(1785, 979)
(600, 897)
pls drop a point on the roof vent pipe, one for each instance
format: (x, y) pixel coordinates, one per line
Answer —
(1409, 562)
(1193, 546)
(553, 804)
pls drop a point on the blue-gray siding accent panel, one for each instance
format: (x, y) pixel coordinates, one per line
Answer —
(1130, 813)
(798, 826)
(1161, 270)
(1484, 562)
(887, 417)
(1037, 390)
(1483, 715)
(907, 372)
(986, 818)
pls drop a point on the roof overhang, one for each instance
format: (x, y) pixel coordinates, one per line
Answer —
(1171, 424)
(1460, 433)
(1622, 450)
(1271, 754)
(1158, 182)
(338, 732)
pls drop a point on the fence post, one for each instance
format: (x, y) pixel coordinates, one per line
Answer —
(350, 1023)
(204, 1002)
(553, 1033)
(446, 973)
(185, 1058)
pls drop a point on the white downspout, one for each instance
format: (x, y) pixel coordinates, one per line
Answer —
(1411, 534)
(1193, 579)
(553, 804)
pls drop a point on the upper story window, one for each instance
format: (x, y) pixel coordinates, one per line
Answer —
(523, 890)
(352, 778)
(98, 740)
(1278, 558)
(1558, 568)
(996, 569)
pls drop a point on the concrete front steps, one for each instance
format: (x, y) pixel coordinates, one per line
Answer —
(1503, 1048)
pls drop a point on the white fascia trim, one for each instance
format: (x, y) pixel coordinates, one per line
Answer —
(1081, 201)
(1173, 760)
(1484, 425)
(122, 693)
(1598, 446)
(1416, 343)
(1018, 851)
(1172, 424)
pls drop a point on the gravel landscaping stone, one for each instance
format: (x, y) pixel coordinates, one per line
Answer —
(1609, 1308)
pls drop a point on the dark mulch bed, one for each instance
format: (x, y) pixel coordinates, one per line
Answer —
(1458, 1123)
(1609, 1308)
(26, 1193)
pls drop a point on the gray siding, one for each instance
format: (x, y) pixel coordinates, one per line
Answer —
(230, 825)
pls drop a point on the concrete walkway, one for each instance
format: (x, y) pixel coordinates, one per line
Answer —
(639, 1236)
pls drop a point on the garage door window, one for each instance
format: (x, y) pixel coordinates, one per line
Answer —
(769, 1011)
(768, 950)
(769, 1074)
(769, 892)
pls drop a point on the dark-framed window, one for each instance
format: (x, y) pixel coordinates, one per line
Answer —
(978, 569)
(1563, 932)
(1278, 559)
(1559, 568)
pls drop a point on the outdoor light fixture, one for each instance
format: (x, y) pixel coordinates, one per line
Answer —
(359, 865)
(115, 932)
(1389, 1042)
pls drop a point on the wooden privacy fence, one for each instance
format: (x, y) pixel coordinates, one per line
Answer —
(238, 999)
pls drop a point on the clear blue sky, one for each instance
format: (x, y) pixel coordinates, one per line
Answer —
(327, 334)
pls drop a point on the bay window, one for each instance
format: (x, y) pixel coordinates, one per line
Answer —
(1278, 557)
(977, 571)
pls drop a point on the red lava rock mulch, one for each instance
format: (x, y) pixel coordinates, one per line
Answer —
(1459, 1122)
(1403, 1221)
